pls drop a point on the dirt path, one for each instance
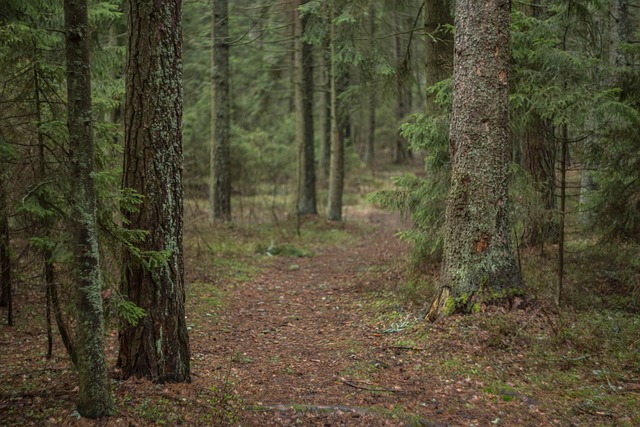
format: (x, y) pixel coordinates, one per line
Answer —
(313, 341)
(295, 331)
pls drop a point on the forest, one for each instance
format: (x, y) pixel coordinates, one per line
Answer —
(319, 213)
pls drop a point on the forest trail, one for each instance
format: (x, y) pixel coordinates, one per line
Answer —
(303, 343)
(293, 335)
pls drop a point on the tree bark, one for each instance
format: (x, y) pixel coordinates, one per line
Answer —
(336, 173)
(95, 399)
(479, 265)
(6, 299)
(400, 154)
(304, 116)
(220, 115)
(325, 114)
(369, 147)
(157, 347)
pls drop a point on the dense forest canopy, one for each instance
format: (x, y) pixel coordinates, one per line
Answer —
(504, 133)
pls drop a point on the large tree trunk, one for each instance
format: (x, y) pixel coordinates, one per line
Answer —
(157, 347)
(304, 116)
(479, 266)
(95, 399)
(439, 46)
(220, 115)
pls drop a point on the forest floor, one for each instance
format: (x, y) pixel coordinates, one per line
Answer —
(318, 329)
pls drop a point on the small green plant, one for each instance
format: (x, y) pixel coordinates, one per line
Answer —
(129, 312)
(225, 403)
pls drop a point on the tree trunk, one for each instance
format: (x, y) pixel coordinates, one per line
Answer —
(402, 67)
(304, 116)
(157, 347)
(479, 265)
(439, 47)
(220, 115)
(95, 399)
(370, 114)
(369, 150)
(325, 114)
(6, 299)
(336, 173)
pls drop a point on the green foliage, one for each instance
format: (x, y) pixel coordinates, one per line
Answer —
(525, 202)
(562, 73)
(423, 198)
(225, 405)
(263, 156)
(129, 312)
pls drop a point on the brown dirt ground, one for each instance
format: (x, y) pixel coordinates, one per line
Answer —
(303, 342)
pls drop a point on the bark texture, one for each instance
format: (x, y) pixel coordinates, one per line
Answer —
(304, 115)
(94, 399)
(370, 141)
(403, 94)
(6, 299)
(479, 265)
(324, 103)
(336, 172)
(158, 347)
(220, 115)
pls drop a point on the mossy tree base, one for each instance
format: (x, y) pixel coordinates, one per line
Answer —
(447, 304)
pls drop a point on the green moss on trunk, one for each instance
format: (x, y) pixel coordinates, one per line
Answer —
(479, 265)
(95, 399)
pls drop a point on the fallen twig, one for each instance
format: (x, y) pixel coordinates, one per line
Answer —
(404, 347)
(354, 385)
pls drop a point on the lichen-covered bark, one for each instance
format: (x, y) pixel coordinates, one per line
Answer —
(94, 399)
(158, 347)
(479, 265)
(220, 115)
(438, 46)
(304, 115)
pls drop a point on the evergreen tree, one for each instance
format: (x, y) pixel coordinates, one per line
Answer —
(304, 115)
(157, 347)
(336, 169)
(220, 115)
(95, 399)
(479, 265)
